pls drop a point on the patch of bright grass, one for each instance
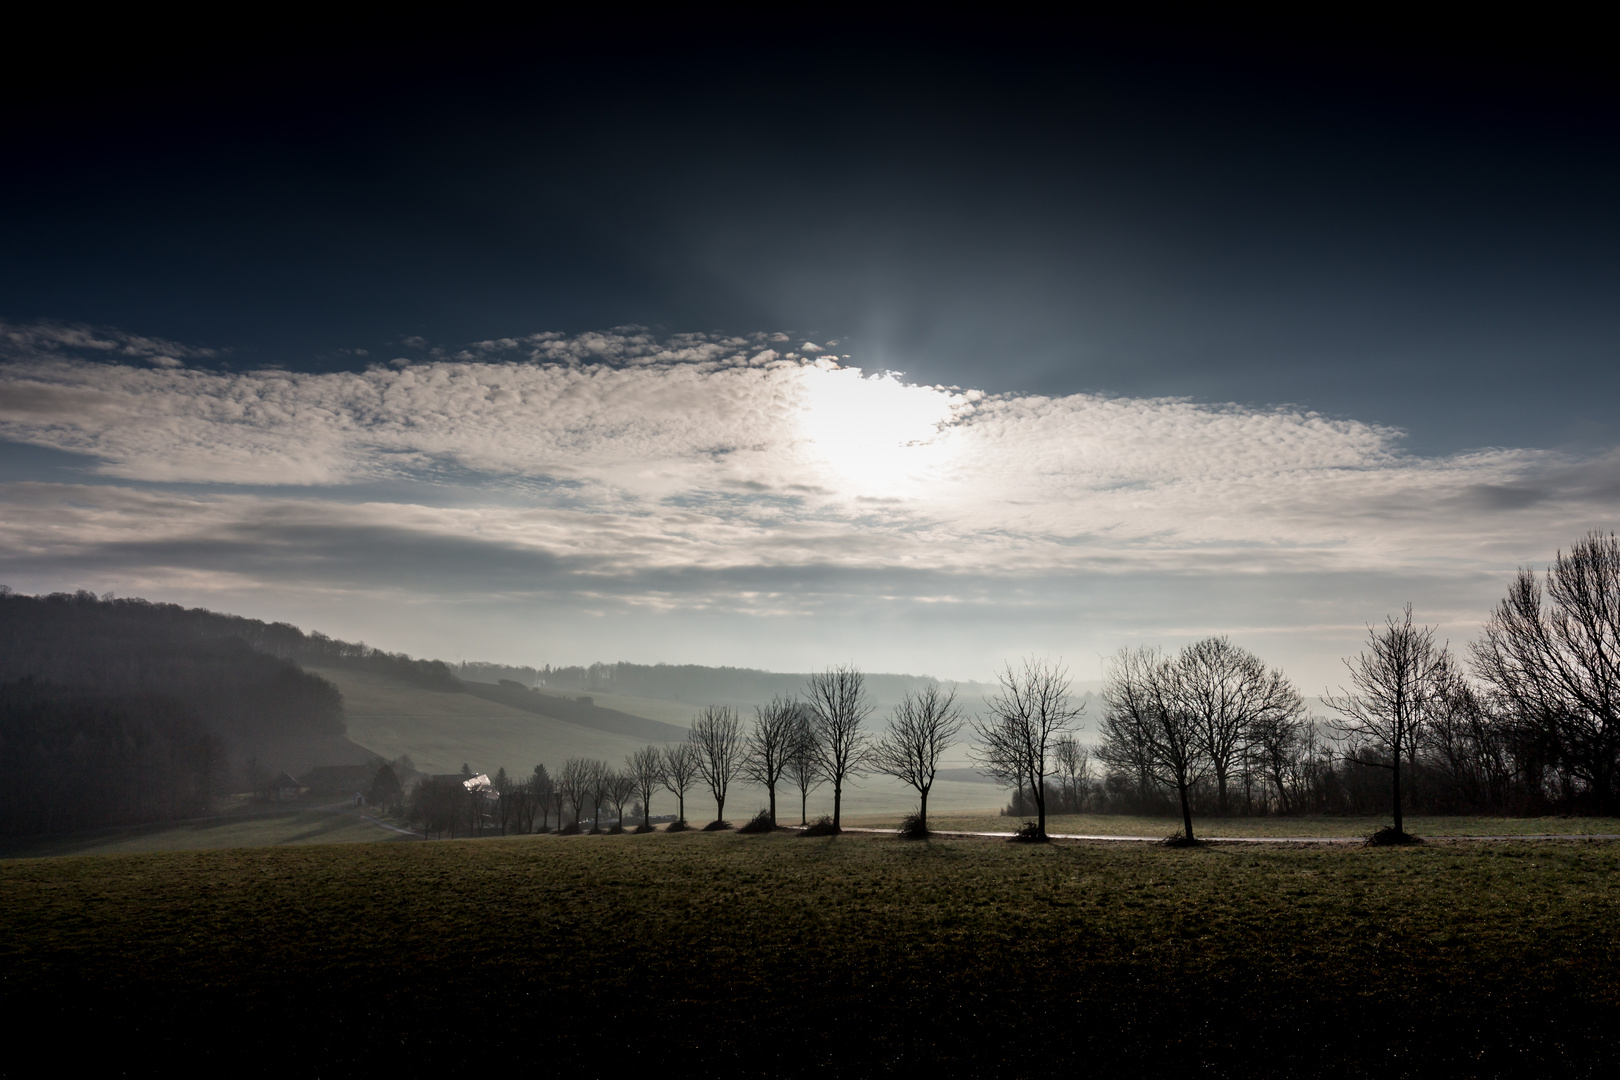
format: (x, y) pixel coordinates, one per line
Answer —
(731, 954)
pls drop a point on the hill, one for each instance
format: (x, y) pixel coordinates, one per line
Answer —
(441, 730)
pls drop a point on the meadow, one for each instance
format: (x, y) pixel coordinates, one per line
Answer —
(721, 954)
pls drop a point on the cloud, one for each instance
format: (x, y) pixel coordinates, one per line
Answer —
(697, 473)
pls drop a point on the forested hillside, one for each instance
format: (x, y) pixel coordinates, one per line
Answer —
(122, 711)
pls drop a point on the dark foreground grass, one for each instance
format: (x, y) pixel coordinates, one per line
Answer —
(722, 954)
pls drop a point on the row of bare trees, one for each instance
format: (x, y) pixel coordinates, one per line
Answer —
(1527, 721)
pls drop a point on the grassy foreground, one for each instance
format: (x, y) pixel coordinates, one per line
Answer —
(720, 954)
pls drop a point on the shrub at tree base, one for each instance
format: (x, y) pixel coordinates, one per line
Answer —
(617, 830)
(1180, 840)
(717, 826)
(1390, 836)
(822, 826)
(760, 823)
(912, 828)
(571, 829)
(1029, 833)
(643, 828)
(677, 826)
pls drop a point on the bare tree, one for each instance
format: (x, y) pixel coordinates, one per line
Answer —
(680, 770)
(1400, 682)
(540, 793)
(646, 766)
(1140, 687)
(804, 760)
(768, 745)
(717, 739)
(1227, 691)
(1551, 656)
(1125, 748)
(1073, 760)
(838, 707)
(1027, 717)
(600, 787)
(574, 785)
(921, 729)
(1279, 745)
(621, 788)
(505, 798)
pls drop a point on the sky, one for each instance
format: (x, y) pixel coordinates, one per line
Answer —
(782, 346)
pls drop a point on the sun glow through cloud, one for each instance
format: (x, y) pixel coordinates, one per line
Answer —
(875, 432)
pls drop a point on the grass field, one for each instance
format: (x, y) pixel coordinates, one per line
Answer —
(1125, 825)
(670, 712)
(441, 730)
(719, 954)
(298, 825)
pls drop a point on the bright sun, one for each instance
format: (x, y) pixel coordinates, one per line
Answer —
(875, 433)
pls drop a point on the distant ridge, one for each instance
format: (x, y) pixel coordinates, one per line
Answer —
(697, 685)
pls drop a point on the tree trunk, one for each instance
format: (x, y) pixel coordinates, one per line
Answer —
(838, 801)
(719, 808)
(1220, 788)
(772, 790)
(1395, 783)
(1186, 812)
(922, 811)
(804, 801)
(1038, 789)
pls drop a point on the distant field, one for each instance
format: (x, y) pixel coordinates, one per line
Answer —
(441, 731)
(719, 954)
(670, 712)
(1122, 825)
(303, 825)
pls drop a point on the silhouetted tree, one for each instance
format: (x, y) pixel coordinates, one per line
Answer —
(539, 787)
(1073, 761)
(768, 745)
(1145, 710)
(838, 705)
(1399, 683)
(621, 788)
(1027, 717)
(717, 739)
(1551, 656)
(574, 784)
(599, 787)
(921, 728)
(803, 760)
(1227, 691)
(646, 766)
(505, 803)
(680, 770)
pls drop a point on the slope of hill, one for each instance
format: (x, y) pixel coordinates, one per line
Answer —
(582, 711)
(441, 730)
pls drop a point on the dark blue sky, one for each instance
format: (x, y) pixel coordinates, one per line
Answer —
(1415, 230)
